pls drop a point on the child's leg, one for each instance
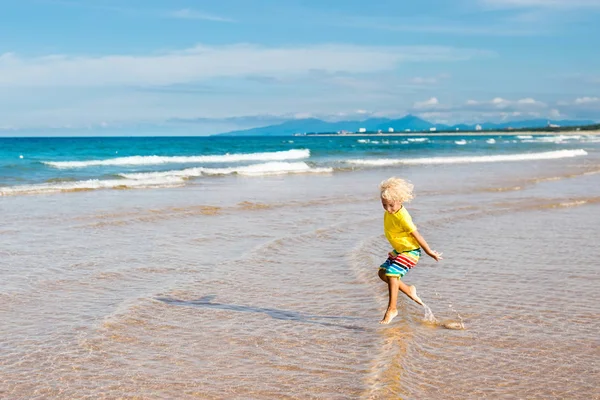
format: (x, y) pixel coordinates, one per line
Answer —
(410, 291)
(391, 311)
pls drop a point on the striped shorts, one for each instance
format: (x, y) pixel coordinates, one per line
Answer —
(398, 264)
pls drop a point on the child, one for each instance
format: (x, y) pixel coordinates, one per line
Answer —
(406, 241)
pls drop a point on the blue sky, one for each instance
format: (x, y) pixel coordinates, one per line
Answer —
(210, 66)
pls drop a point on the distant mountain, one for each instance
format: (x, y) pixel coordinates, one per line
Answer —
(313, 125)
(409, 122)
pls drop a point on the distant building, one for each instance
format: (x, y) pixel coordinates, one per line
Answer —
(390, 130)
(362, 130)
(379, 131)
(407, 130)
(458, 129)
(553, 125)
(478, 127)
(432, 129)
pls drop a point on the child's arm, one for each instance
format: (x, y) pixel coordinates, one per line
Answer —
(432, 253)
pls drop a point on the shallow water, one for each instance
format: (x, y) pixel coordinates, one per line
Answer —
(267, 287)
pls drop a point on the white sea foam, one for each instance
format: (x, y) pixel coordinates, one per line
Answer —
(460, 142)
(491, 141)
(271, 168)
(524, 137)
(418, 140)
(551, 139)
(471, 159)
(295, 154)
(164, 178)
(92, 184)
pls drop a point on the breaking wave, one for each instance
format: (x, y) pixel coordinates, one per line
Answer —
(162, 179)
(271, 168)
(295, 154)
(471, 159)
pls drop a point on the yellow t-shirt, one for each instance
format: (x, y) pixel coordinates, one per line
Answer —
(397, 228)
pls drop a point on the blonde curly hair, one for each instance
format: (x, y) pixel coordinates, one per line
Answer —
(396, 189)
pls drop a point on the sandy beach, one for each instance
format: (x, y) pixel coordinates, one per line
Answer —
(265, 286)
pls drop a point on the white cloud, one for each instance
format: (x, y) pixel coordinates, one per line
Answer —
(530, 103)
(432, 80)
(187, 13)
(499, 108)
(495, 105)
(432, 102)
(500, 103)
(587, 100)
(583, 107)
(527, 101)
(206, 62)
(303, 115)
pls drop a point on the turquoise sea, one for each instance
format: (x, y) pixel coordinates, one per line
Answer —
(45, 165)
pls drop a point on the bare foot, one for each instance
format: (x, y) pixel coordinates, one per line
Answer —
(388, 317)
(412, 293)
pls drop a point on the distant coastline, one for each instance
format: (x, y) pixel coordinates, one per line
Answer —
(431, 134)
(459, 133)
(411, 124)
(567, 130)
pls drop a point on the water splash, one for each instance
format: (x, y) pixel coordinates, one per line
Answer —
(457, 325)
(429, 317)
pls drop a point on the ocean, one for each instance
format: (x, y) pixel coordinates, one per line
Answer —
(246, 268)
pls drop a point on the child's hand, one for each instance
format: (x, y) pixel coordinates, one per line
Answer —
(435, 255)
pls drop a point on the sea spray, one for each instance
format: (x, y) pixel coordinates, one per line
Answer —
(455, 325)
(429, 317)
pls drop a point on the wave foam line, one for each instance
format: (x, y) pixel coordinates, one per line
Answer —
(271, 168)
(294, 154)
(162, 179)
(91, 184)
(472, 159)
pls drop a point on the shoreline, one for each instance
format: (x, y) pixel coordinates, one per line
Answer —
(481, 133)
